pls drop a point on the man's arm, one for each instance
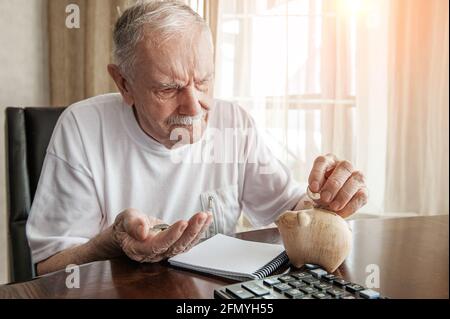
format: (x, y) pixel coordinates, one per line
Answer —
(131, 235)
(101, 247)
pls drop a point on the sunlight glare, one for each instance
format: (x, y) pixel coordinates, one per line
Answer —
(353, 7)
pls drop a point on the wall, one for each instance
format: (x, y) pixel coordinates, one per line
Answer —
(23, 79)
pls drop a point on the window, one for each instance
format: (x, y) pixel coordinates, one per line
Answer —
(197, 6)
(291, 64)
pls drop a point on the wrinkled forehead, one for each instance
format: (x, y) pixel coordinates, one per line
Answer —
(180, 57)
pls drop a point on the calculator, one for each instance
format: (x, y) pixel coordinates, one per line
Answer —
(309, 282)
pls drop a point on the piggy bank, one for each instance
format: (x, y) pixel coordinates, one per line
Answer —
(315, 236)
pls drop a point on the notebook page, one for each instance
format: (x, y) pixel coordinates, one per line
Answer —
(228, 254)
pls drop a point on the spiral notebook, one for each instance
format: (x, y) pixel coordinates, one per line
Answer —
(232, 258)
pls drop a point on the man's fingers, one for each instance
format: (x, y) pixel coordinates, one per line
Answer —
(200, 233)
(163, 240)
(136, 224)
(322, 165)
(348, 191)
(358, 201)
(199, 236)
(341, 188)
(165, 245)
(335, 181)
(196, 226)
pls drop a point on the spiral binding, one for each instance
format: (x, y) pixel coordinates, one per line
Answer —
(266, 270)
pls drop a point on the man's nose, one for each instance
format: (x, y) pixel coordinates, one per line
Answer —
(189, 104)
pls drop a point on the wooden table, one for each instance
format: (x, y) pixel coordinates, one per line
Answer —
(411, 253)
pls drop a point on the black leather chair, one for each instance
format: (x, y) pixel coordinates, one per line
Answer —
(28, 132)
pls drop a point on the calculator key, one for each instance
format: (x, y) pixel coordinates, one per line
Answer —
(354, 288)
(310, 281)
(282, 287)
(319, 272)
(329, 277)
(269, 297)
(347, 296)
(302, 275)
(340, 282)
(294, 293)
(321, 295)
(336, 292)
(369, 294)
(309, 290)
(322, 286)
(286, 278)
(311, 266)
(305, 297)
(256, 289)
(297, 284)
(271, 282)
(240, 293)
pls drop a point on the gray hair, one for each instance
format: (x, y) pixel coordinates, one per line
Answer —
(160, 19)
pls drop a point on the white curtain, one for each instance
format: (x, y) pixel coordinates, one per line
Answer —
(291, 64)
(317, 76)
(197, 5)
(418, 145)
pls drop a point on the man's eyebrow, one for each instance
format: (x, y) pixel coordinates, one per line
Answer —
(174, 85)
(171, 85)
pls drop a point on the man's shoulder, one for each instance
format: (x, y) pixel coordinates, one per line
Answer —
(91, 112)
(96, 104)
(86, 118)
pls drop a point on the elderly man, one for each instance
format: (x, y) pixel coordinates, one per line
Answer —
(113, 170)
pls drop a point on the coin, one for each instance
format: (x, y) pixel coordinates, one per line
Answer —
(160, 227)
(313, 196)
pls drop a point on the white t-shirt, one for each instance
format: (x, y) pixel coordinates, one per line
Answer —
(99, 162)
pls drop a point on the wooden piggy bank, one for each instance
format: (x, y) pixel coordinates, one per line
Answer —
(315, 236)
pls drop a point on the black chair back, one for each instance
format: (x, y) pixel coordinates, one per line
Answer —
(28, 132)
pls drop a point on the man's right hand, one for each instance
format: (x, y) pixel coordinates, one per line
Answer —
(132, 232)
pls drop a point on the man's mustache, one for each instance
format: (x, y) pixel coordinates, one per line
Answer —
(185, 120)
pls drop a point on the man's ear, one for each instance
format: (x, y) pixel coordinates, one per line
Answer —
(121, 83)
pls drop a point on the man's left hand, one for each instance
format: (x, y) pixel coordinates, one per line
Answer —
(342, 188)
